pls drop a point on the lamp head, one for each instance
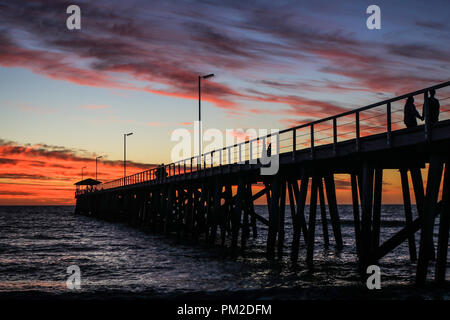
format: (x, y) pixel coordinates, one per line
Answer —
(208, 76)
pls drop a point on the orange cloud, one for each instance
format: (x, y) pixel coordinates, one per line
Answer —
(44, 174)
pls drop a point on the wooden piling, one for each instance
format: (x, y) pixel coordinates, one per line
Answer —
(426, 235)
(408, 212)
(273, 216)
(323, 214)
(333, 208)
(442, 248)
(376, 222)
(300, 221)
(312, 222)
(366, 217)
(356, 218)
(282, 207)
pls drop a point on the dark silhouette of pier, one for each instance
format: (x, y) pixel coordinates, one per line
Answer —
(211, 197)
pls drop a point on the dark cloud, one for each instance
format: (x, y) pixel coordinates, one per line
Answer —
(56, 152)
(432, 25)
(19, 176)
(8, 161)
(167, 44)
(15, 193)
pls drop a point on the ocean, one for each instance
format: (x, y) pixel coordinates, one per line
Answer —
(39, 243)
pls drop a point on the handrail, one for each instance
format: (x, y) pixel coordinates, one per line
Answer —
(160, 173)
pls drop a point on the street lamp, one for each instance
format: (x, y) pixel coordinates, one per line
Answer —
(200, 111)
(82, 173)
(125, 153)
(99, 157)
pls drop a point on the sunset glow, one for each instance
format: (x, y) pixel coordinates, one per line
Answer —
(67, 96)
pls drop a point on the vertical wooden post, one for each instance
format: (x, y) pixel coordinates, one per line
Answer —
(366, 218)
(252, 211)
(356, 219)
(169, 209)
(428, 217)
(295, 226)
(282, 208)
(408, 212)
(334, 213)
(294, 143)
(300, 221)
(215, 210)
(323, 214)
(357, 130)
(377, 210)
(245, 225)
(273, 216)
(335, 138)
(236, 218)
(301, 197)
(312, 222)
(441, 261)
(389, 124)
(224, 212)
(419, 193)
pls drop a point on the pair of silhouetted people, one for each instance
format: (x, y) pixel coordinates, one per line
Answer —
(430, 111)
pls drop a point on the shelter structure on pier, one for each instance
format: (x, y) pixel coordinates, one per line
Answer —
(86, 185)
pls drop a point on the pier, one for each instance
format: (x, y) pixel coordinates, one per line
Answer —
(211, 197)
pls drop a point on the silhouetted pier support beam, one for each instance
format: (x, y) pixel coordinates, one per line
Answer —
(273, 204)
(376, 224)
(408, 212)
(236, 216)
(441, 261)
(428, 218)
(281, 215)
(299, 222)
(366, 216)
(312, 222)
(333, 208)
(356, 217)
(323, 215)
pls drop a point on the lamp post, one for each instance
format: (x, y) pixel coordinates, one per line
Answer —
(82, 173)
(200, 112)
(125, 153)
(99, 157)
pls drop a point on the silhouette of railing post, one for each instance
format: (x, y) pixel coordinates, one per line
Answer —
(357, 130)
(312, 140)
(389, 124)
(294, 143)
(334, 136)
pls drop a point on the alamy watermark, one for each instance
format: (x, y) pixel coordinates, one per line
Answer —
(73, 22)
(74, 280)
(374, 20)
(237, 146)
(374, 280)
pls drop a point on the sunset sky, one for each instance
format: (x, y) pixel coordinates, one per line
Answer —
(67, 96)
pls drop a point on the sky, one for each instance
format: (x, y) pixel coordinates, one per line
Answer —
(67, 96)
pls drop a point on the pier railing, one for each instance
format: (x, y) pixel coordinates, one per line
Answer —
(385, 116)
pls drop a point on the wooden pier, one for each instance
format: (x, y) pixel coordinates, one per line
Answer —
(211, 198)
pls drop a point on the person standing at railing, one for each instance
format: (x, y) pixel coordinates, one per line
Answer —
(410, 113)
(433, 108)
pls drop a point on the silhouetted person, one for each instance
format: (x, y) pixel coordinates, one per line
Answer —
(433, 108)
(411, 113)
